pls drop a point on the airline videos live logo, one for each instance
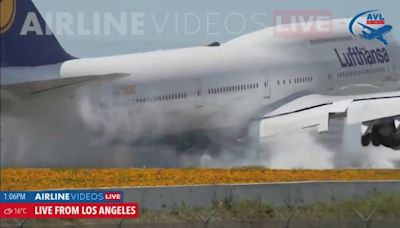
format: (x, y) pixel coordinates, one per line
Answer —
(112, 196)
(289, 23)
(84, 204)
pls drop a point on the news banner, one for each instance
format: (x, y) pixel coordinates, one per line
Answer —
(66, 204)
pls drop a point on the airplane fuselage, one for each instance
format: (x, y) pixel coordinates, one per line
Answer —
(379, 32)
(224, 87)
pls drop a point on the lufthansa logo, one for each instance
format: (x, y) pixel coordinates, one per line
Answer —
(7, 8)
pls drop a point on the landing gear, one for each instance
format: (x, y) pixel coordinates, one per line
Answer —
(370, 138)
(383, 133)
(376, 135)
(375, 140)
(366, 140)
(373, 137)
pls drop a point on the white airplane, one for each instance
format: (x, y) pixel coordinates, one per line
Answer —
(258, 84)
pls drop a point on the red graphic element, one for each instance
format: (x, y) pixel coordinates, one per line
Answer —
(375, 22)
(8, 211)
(302, 22)
(112, 196)
(69, 210)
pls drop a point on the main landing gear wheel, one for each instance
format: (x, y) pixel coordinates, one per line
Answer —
(366, 140)
(375, 140)
(375, 136)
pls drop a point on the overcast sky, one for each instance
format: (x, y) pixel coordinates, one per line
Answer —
(181, 23)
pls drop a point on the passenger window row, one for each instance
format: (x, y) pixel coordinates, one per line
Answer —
(331, 40)
(234, 88)
(169, 97)
(301, 80)
(346, 74)
(225, 89)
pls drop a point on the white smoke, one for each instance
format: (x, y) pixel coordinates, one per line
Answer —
(339, 148)
(81, 134)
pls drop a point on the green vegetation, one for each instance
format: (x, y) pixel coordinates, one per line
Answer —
(386, 208)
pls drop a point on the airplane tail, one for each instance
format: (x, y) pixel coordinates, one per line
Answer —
(24, 41)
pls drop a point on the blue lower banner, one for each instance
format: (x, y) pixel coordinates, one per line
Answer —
(69, 196)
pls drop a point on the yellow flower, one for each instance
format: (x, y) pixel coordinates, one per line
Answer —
(38, 179)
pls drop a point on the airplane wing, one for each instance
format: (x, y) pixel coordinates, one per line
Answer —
(383, 40)
(42, 86)
(367, 27)
(315, 111)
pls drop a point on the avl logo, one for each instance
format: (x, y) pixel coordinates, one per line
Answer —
(302, 22)
(375, 19)
(370, 25)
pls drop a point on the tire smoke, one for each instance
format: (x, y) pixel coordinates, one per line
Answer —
(79, 134)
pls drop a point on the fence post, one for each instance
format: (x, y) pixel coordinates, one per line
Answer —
(22, 223)
(119, 223)
(207, 220)
(366, 220)
(286, 218)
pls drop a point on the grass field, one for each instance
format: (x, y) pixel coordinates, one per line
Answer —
(40, 179)
(386, 207)
(250, 214)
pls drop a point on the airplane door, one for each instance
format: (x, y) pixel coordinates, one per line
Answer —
(267, 89)
(198, 101)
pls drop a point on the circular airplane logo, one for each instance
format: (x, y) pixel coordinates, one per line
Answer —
(7, 16)
(372, 25)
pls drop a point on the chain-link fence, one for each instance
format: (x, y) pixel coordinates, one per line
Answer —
(214, 224)
(284, 219)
